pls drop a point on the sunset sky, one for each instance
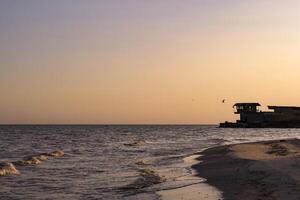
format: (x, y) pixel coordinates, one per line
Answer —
(145, 61)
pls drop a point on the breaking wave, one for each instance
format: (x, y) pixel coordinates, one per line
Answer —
(147, 178)
(8, 168)
(38, 159)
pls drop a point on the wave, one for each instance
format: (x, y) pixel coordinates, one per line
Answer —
(147, 178)
(7, 168)
(38, 159)
(55, 154)
(32, 160)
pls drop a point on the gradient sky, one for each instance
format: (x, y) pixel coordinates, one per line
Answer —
(145, 61)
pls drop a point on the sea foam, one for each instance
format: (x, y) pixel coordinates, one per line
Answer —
(7, 168)
(38, 159)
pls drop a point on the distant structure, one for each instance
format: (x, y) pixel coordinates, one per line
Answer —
(251, 117)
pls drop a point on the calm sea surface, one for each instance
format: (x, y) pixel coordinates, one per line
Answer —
(107, 162)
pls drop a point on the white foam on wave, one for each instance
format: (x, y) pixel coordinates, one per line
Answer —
(55, 154)
(38, 159)
(32, 160)
(7, 168)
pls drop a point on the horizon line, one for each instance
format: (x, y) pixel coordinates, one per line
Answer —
(112, 124)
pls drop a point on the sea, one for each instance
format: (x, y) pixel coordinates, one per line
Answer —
(112, 162)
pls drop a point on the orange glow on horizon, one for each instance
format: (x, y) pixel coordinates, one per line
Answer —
(146, 64)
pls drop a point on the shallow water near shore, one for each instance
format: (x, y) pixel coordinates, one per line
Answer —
(112, 162)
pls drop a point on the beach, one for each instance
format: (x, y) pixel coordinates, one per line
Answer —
(260, 170)
(268, 170)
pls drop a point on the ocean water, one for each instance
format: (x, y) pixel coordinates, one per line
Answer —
(112, 162)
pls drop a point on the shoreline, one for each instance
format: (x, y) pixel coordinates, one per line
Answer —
(198, 190)
(265, 170)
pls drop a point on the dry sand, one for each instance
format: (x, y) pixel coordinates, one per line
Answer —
(262, 170)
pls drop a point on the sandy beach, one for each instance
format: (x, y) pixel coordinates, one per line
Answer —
(251, 171)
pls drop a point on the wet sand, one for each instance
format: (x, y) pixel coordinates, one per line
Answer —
(262, 170)
(198, 191)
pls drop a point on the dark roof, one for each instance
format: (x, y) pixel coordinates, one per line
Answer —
(284, 107)
(246, 104)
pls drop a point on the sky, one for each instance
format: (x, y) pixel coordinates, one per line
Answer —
(145, 62)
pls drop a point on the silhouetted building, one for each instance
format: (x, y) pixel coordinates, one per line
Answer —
(251, 117)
